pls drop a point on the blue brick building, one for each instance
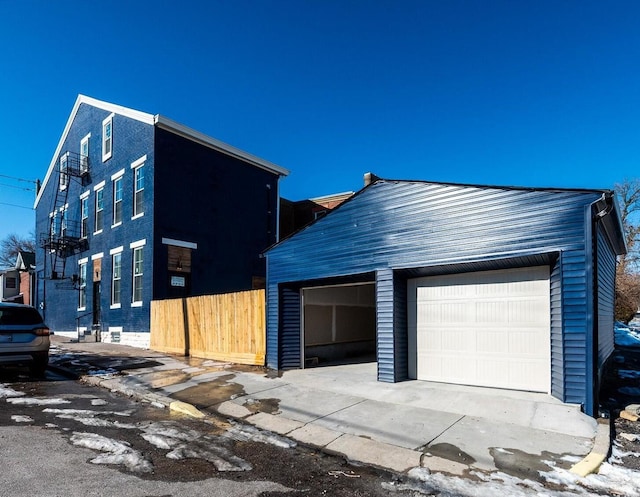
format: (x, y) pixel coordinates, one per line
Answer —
(136, 207)
(492, 286)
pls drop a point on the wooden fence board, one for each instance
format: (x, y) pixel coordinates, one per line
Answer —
(228, 327)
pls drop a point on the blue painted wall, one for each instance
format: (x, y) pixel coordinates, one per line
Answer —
(402, 225)
(226, 206)
(131, 140)
(191, 193)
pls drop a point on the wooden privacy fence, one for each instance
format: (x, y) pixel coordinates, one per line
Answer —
(227, 327)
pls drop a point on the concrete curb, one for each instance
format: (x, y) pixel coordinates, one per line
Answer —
(601, 446)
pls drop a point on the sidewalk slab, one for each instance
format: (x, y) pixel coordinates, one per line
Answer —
(375, 453)
(276, 424)
(314, 436)
(402, 426)
(480, 438)
(302, 404)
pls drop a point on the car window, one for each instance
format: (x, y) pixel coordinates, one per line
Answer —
(19, 316)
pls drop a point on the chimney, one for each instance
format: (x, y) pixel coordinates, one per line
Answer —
(370, 178)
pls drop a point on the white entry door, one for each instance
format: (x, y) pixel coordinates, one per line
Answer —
(488, 328)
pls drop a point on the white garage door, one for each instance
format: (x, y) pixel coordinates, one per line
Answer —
(487, 328)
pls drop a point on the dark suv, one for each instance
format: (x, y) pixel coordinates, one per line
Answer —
(24, 338)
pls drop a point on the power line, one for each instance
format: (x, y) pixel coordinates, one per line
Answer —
(17, 179)
(15, 205)
(18, 187)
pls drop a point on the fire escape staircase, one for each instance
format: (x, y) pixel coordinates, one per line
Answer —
(65, 237)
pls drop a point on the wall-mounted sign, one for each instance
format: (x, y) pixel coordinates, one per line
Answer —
(178, 281)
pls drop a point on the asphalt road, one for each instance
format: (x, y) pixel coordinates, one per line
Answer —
(59, 437)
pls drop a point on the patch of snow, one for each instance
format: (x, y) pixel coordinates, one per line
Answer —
(86, 412)
(115, 452)
(610, 480)
(50, 425)
(247, 433)
(18, 418)
(206, 449)
(8, 392)
(91, 421)
(32, 401)
(185, 443)
(99, 402)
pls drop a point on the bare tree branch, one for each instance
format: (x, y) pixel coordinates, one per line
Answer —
(11, 246)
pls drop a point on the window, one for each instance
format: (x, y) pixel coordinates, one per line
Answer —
(63, 220)
(137, 274)
(82, 285)
(54, 224)
(116, 260)
(84, 154)
(99, 209)
(84, 217)
(64, 171)
(11, 282)
(117, 201)
(138, 196)
(107, 138)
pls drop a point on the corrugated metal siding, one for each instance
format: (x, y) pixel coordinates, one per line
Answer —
(272, 359)
(557, 342)
(401, 225)
(290, 328)
(606, 264)
(401, 346)
(384, 325)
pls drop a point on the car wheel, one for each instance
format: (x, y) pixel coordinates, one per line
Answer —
(38, 367)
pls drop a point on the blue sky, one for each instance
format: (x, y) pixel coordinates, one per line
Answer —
(538, 93)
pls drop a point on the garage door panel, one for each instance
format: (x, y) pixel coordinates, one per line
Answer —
(488, 329)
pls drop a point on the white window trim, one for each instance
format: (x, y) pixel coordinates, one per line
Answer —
(99, 255)
(99, 186)
(84, 260)
(112, 252)
(106, 120)
(136, 304)
(114, 177)
(139, 243)
(82, 142)
(139, 162)
(85, 194)
(135, 165)
(64, 186)
(180, 243)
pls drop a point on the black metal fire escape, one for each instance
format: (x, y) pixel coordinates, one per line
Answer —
(65, 236)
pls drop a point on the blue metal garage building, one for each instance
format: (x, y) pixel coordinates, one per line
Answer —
(493, 286)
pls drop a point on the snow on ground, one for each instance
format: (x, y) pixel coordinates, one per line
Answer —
(87, 412)
(611, 480)
(244, 433)
(33, 401)
(113, 452)
(99, 402)
(190, 444)
(18, 418)
(88, 417)
(7, 392)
